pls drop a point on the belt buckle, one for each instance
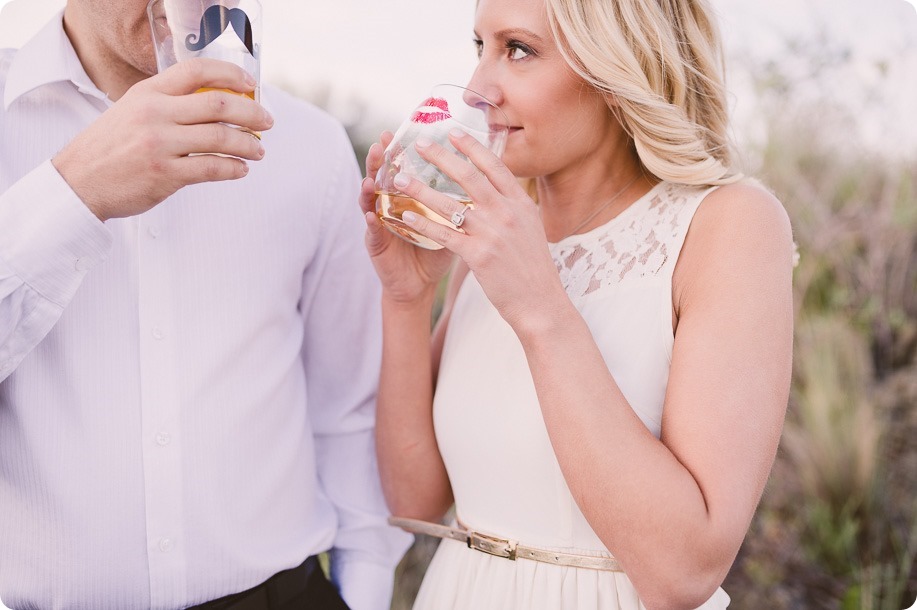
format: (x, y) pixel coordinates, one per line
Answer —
(499, 547)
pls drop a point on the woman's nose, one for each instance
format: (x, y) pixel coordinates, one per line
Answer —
(485, 86)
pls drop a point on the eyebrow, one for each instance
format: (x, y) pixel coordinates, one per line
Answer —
(513, 33)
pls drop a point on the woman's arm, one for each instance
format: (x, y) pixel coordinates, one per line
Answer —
(414, 478)
(674, 512)
(413, 474)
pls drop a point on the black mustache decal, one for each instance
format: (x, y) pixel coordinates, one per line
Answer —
(215, 21)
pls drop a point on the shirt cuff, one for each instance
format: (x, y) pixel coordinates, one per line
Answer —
(48, 236)
(364, 585)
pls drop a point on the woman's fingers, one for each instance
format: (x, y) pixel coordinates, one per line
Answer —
(376, 235)
(375, 154)
(486, 162)
(479, 176)
(373, 160)
(368, 195)
(441, 204)
(439, 231)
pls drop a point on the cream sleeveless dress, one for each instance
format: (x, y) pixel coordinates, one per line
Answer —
(489, 427)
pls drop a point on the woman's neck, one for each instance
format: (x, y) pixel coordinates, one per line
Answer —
(568, 198)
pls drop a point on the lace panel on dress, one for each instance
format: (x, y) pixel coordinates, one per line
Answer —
(636, 244)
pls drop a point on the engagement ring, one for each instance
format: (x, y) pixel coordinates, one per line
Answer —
(459, 217)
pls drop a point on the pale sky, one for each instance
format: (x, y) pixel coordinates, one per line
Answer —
(384, 56)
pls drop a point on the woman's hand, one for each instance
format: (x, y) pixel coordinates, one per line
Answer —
(503, 243)
(408, 273)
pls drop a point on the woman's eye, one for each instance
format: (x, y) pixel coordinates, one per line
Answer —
(518, 51)
(478, 47)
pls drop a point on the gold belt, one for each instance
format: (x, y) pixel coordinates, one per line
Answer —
(502, 547)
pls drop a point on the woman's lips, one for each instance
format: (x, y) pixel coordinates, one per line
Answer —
(438, 111)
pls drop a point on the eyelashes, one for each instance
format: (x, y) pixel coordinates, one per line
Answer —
(515, 49)
(478, 46)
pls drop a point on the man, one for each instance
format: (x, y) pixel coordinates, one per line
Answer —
(189, 345)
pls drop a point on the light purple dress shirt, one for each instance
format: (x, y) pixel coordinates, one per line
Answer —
(186, 396)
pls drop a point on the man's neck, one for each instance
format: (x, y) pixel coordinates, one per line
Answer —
(108, 72)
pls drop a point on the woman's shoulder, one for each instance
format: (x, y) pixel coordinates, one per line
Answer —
(738, 229)
(744, 206)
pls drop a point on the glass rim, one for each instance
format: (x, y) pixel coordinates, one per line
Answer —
(504, 123)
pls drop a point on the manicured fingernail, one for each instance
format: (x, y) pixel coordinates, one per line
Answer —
(422, 142)
(456, 133)
(401, 180)
(250, 80)
(244, 168)
(409, 217)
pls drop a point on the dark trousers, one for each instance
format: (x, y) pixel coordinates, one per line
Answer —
(301, 588)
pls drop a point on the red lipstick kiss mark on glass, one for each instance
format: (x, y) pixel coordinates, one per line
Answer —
(421, 116)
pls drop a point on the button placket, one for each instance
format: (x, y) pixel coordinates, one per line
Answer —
(160, 410)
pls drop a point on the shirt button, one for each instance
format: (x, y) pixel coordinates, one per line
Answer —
(157, 333)
(81, 264)
(163, 439)
(166, 544)
(6, 365)
(154, 232)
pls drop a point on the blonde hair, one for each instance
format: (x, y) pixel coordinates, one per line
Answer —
(660, 64)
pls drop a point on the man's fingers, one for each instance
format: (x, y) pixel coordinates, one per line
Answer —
(217, 105)
(209, 168)
(216, 138)
(192, 74)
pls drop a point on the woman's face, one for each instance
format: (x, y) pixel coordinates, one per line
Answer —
(556, 119)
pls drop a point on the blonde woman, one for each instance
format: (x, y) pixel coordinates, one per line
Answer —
(603, 395)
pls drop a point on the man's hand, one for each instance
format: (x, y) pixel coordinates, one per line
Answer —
(136, 154)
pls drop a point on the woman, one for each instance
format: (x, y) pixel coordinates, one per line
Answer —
(612, 364)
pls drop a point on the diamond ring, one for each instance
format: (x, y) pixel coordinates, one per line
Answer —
(459, 217)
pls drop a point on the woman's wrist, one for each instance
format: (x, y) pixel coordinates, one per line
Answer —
(421, 303)
(551, 319)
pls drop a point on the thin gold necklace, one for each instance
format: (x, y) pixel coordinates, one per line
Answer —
(596, 212)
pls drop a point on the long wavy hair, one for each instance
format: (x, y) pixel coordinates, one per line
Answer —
(660, 64)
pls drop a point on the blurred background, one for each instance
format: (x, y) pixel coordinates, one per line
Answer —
(824, 95)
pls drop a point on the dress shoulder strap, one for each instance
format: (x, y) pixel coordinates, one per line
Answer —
(684, 201)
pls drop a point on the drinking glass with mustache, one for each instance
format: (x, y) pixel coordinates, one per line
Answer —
(228, 30)
(447, 107)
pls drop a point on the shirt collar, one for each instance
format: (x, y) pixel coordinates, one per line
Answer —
(47, 58)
